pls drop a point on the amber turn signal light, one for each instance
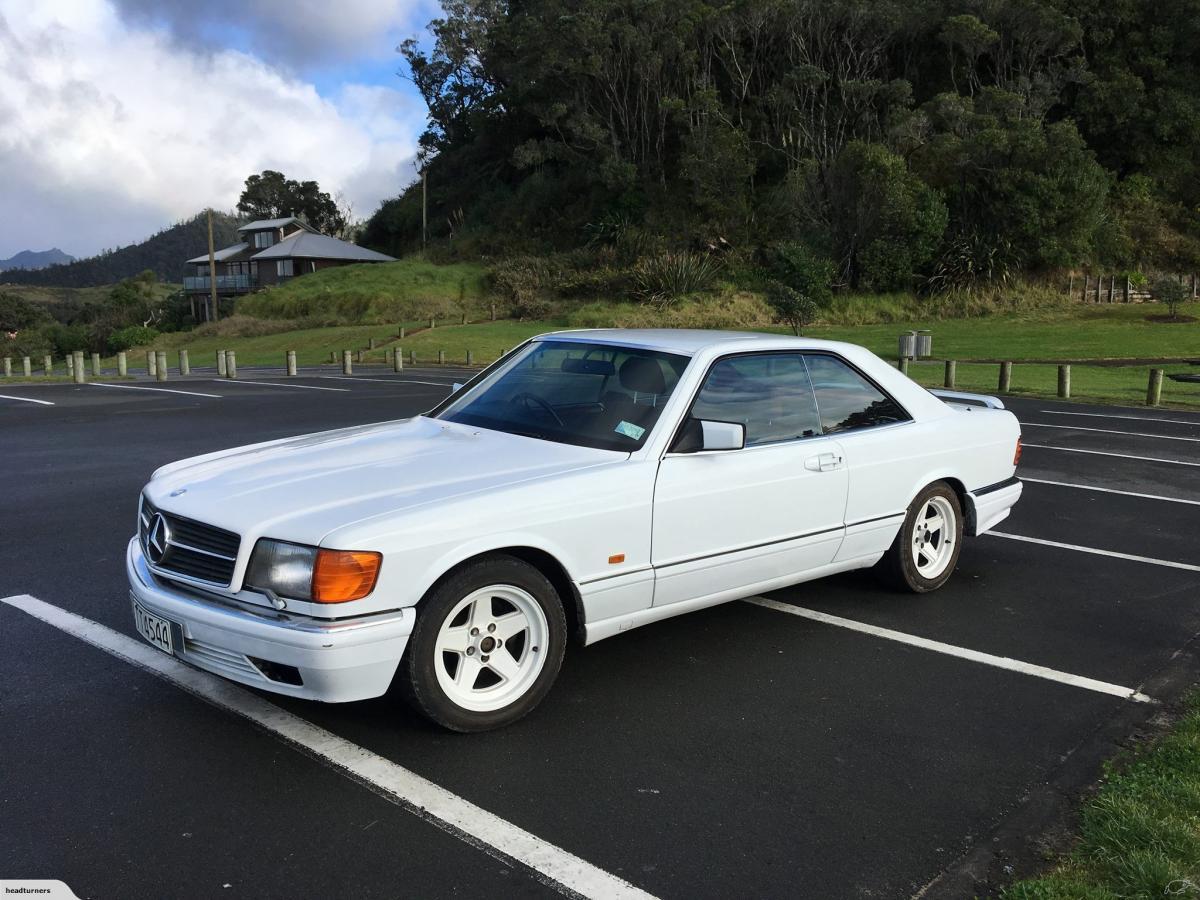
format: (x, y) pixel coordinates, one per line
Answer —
(343, 575)
(1017, 454)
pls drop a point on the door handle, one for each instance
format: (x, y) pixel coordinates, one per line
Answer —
(823, 462)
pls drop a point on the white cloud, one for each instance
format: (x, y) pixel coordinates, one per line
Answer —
(109, 131)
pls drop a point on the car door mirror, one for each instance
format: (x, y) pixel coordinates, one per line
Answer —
(704, 434)
(456, 387)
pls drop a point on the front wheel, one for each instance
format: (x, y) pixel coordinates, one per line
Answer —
(487, 646)
(925, 552)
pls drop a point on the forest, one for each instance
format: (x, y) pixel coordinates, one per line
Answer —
(917, 145)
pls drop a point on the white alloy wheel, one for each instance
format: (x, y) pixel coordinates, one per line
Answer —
(491, 648)
(933, 537)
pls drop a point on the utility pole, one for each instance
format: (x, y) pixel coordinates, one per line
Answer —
(424, 207)
(212, 269)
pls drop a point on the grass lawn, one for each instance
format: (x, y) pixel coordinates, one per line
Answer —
(1140, 835)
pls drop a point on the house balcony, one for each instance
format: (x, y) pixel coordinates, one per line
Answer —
(226, 284)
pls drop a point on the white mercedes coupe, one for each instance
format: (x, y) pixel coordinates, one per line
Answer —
(587, 483)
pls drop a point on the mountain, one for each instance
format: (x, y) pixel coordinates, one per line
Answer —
(36, 259)
(163, 253)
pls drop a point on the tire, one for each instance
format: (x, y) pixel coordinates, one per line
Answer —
(487, 645)
(922, 558)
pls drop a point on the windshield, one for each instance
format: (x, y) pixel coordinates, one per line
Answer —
(593, 395)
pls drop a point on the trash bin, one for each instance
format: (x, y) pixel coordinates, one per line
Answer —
(908, 345)
(924, 346)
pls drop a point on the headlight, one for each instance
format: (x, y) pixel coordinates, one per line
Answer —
(311, 573)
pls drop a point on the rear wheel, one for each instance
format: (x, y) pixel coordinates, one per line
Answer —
(487, 646)
(925, 552)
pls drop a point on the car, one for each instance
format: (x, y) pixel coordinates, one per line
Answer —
(587, 483)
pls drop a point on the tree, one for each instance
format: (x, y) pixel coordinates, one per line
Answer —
(801, 286)
(270, 196)
(1171, 292)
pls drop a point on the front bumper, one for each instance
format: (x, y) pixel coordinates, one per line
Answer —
(338, 661)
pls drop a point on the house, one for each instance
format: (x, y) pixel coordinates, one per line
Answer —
(271, 252)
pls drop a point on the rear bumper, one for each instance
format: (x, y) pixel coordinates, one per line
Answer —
(338, 661)
(992, 505)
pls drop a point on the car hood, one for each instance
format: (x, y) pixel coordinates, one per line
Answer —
(300, 489)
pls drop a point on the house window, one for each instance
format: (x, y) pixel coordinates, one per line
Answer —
(283, 268)
(264, 239)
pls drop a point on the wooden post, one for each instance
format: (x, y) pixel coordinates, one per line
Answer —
(1071, 285)
(291, 362)
(150, 360)
(1083, 296)
(360, 356)
(470, 358)
(464, 319)
(26, 367)
(347, 363)
(77, 367)
(70, 359)
(122, 364)
(8, 367)
(48, 364)
(1194, 286)
(432, 322)
(95, 365)
(1005, 384)
(160, 365)
(212, 270)
(370, 343)
(902, 364)
(1064, 381)
(1112, 287)
(441, 357)
(951, 373)
(1125, 299)
(185, 364)
(398, 360)
(222, 357)
(1099, 282)
(493, 310)
(1154, 388)
(412, 357)
(400, 333)
(230, 364)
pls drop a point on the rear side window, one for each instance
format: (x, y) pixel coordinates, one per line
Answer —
(848, 401)
(768, 393)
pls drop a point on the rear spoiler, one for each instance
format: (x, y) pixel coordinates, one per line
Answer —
(964, 398)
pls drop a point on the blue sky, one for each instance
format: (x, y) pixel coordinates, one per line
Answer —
(121, 117)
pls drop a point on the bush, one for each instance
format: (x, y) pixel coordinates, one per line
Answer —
(18, 314)
(663, 279)
(130, 337)
(1169, 291)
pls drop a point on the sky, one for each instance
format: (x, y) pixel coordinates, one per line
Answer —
(122, 117)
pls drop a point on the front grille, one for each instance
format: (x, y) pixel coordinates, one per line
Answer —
(188, 548)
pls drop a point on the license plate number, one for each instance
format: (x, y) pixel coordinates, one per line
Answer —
(157, 631)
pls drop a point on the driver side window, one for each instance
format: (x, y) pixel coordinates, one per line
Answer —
(770, 394)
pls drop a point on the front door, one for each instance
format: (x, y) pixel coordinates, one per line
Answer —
(727, 520)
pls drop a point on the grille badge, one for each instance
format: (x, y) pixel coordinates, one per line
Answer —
(157, 538)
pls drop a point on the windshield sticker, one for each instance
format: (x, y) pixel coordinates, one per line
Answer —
(630, 430)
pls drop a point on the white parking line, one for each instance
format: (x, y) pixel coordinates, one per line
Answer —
(134, 387)
(444, 384)
(987, 659)
(26, 399)
(1056, 412)
(1169, 563)
(1174, 462)
(497, 837)
(1092, 487)
(303, 387)
(1161, 437)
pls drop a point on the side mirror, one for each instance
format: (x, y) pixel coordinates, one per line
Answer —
(702, 434)
(456, 387)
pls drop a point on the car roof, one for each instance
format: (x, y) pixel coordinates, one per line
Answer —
(688, 341)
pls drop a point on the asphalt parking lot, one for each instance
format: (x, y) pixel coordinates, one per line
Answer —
(833, 740)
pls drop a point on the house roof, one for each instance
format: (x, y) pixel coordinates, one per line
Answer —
(306, 245)
(265, 224)
(221, 255)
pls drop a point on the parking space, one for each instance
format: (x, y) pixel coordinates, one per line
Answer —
(864, 747)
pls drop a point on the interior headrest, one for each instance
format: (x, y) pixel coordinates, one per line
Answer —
(642, 375)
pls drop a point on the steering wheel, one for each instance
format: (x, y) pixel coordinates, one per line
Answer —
(534, 400)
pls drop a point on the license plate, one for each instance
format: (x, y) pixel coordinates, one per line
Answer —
(157, 631)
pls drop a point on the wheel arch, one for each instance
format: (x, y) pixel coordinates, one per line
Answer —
(965, 501)
(546, 563)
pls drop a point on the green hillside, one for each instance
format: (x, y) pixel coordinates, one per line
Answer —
(163, 253)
